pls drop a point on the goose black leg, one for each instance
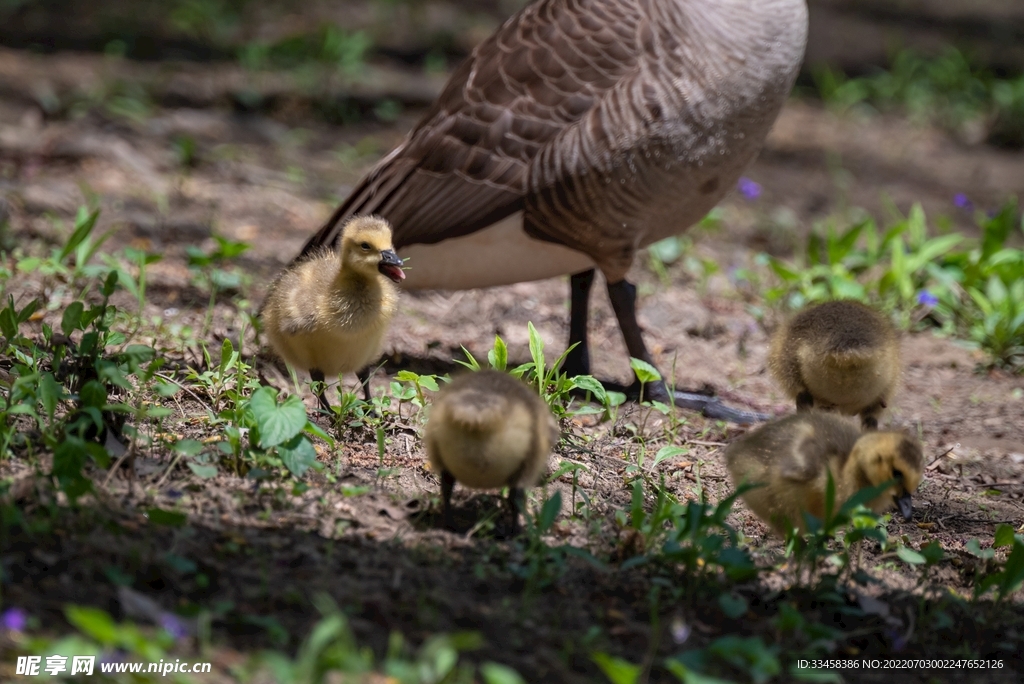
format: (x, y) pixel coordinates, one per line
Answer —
(317, 375)
(577, 361)
(623, 298)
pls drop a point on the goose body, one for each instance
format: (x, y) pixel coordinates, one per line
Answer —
(840, 355)
(792, 458)
(579, 132)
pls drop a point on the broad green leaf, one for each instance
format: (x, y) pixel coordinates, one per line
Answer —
(68, 461)
(498, 357)
(159, 516)
(203, 471)
(50, 392)
(645, 372)
(549, 511)
(667, 251)
(93, 622)
(297, 454)
(9, 321)
(85, 221)
(732, 605)
(973, 547)
(1004, 536)
(617, 670)
(688, 676)
(93, 393)
(277, 423)
(1013, 571)
(227, 355)
(591, 384)
(806, 674)
(495, 673)
(188, 447)
(667, 452)
(72, 317)
(910, 556)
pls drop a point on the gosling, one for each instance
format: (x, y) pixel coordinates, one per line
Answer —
(328, 314)
(791, 457)
(488, 430)
(838, 355)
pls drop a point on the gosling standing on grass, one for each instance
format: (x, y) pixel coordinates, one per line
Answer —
(328, 314)
(488, 430)
(792, 457)
(841, 355)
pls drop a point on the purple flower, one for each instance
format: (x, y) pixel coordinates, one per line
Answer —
(749, 189)
(174, 626)
(115, 656)
(14, 619)
(898, 641)
(680, 630)
(961, 201)
(926, 298)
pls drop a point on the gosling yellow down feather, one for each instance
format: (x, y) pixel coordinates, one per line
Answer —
(840, 354)
(791, 457)
(488, 430)
(328, 314)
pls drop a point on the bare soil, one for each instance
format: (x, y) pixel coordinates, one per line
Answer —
(269, 176)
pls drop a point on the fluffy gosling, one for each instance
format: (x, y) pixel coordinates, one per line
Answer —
(792, 457)
(488, 430)
(840, 354)
(328, 314)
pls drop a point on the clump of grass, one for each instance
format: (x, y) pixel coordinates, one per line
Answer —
(946, 90)
(968, 288)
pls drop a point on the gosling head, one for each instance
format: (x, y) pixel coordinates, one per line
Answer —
(884, 456)
(366, 248)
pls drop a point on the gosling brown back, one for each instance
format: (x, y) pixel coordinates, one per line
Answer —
(328, 314)
(488, 430)
(839, 355)
(793, 456)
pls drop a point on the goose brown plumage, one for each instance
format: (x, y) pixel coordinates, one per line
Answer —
(328, 314)
(791, 459)
(840, 354)
(579, 132)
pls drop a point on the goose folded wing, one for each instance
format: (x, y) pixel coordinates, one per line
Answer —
(466, 164)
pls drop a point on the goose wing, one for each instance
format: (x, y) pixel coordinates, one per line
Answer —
(467, 163)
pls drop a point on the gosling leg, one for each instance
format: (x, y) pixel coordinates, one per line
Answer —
(517, 505)
(804, 401)
(317, 376)
(623, 298)
(447, 485)
(364, 380)
(869, 416)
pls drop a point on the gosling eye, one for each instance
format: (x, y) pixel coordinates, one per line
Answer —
(897, 474)
(365, 246)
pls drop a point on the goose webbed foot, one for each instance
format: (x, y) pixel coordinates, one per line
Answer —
(623, 299)
(705, 403)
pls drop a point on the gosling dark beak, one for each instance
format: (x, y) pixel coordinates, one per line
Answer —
(906, 508)
(391, 265)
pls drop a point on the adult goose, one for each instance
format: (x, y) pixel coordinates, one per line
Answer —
(581, 131)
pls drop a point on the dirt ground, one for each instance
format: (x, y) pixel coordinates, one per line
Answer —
(269, 176)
